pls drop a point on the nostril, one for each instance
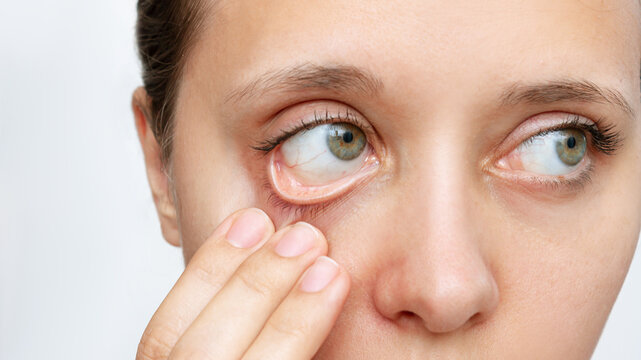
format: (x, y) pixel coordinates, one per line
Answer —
(475, 319)
(409, 318)
(406, 314)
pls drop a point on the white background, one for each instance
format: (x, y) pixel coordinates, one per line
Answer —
(82, 262)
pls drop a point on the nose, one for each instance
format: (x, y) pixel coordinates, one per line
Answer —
(436, 274)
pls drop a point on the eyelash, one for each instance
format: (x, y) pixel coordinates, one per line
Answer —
(297, 211)
(270, 144)
(604, 138)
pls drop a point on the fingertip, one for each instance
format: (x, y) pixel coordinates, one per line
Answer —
(316, 231)
(249, 227)
(225, 226)
(342, 284)
(269, 224)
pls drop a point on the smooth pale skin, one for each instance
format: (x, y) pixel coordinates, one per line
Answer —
(445, 261)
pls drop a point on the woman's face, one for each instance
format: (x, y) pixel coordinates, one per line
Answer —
(476, 199)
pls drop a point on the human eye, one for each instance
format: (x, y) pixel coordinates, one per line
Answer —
(325, 153)
(561, 152)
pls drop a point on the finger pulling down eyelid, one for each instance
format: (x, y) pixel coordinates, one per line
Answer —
(289, 189)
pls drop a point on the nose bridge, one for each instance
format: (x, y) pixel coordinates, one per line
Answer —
(440, 188)
(440, 274)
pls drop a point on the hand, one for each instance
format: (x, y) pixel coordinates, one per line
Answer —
(250, 293)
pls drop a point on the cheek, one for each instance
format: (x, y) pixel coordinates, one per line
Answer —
(211, 178)
(559, 281)
(208, 192)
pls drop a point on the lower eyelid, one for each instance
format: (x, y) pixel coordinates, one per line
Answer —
(287, 188)
(290, 211)
(571, 182)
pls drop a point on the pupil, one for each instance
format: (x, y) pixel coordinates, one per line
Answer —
(348, 137)
(571, 142)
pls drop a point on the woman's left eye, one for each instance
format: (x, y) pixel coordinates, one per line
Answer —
(557, 152)
(325, 153)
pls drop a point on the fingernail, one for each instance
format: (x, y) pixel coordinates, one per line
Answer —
(317, 277)
(248, 229)
(296, 241)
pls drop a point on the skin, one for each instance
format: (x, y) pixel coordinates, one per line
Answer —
(440, 256)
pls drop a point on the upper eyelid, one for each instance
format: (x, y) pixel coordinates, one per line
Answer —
(604, 138)
(304, 123)
(604, 135)
(605, 132)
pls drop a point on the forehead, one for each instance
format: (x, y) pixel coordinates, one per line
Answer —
(447, 42)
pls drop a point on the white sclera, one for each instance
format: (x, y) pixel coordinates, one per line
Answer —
(538, 155)
(309, 158)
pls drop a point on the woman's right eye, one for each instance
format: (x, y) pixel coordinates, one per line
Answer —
(321, 162)
(325, 153)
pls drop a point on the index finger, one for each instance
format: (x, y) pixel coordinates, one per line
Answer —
(209, 269)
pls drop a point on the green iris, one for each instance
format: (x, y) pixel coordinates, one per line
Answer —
(345, 141)
(570, 146)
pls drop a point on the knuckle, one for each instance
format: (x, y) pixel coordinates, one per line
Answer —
(256, 282)
(288, 329)
(191, 354)
(205, 270)
(203, 273)
(155, 344)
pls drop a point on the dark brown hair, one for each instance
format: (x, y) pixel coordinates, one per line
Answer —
(165, 32)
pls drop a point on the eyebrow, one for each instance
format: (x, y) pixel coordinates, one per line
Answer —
(351, 79)
(565, 90)
(338, 78)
